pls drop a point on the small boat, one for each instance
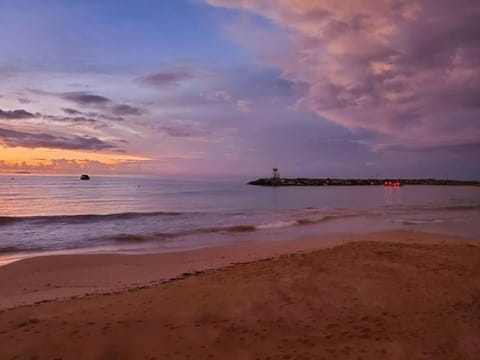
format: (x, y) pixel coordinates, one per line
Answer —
(84, 177)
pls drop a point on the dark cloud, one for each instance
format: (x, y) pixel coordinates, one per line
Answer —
(16, 114)
(24, 100)
(76, 120)
(70, 111)
(85, 98)
(101, 102)
(167, 78)
(72, 119)
(12, 138)
(110, 117)
(124, 110)
(96, 115)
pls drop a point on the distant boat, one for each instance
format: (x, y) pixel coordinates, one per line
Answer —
(84, 177)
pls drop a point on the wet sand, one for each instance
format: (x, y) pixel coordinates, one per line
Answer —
(395, 295)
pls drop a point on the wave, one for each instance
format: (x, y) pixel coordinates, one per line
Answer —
(165, 235)
(461, 207)
(226, 229)
(322, 219)
(16, 249)
(277, 224)
(80, 219)
(419, 222)
(129, 238)
(6, 220)
(210, 230)
(452, 207)
(241, 228)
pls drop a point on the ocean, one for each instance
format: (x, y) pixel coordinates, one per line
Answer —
(61, 214)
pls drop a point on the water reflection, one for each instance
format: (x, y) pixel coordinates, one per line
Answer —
(392, 195)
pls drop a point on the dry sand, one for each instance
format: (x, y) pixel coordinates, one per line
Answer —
(413, 296)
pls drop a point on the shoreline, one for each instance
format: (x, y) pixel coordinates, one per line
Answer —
(57, 277)
(60, 276)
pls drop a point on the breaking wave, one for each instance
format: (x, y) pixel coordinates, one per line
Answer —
(81, 219)
(135, 238)
(166, 235)
(419, 222)
(16, 249)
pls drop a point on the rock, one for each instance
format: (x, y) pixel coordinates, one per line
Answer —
(84, 177)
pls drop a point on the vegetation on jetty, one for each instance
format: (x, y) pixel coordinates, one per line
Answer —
(353, 182)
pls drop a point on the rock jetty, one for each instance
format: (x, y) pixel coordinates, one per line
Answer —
(357, 182)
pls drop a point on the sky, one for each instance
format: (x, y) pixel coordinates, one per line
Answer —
(319, 88)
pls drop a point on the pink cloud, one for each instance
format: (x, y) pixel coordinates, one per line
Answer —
(408, 70)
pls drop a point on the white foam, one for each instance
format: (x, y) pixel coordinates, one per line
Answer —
(276, 224)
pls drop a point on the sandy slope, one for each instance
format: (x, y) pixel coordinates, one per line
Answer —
(409, 298)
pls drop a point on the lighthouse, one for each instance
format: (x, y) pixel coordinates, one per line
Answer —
(276, 174)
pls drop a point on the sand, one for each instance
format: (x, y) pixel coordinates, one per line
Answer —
(397, 295)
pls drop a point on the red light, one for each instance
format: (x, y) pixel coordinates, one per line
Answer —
(392, 183)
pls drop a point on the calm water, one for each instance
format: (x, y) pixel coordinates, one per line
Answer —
(54, 213)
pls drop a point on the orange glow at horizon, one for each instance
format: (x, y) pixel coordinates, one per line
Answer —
(38, 156)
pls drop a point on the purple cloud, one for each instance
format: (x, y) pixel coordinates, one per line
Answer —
(408, 70)
(24, 100)
(96, 115)
(77, 120)
(124, 110)
(110, 117)
(85, 98)
(16, 114)
(70, 111)
(12, 138)
(166, 78)
(98, 101)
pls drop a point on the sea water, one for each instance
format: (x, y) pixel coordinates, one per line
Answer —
(45, 214)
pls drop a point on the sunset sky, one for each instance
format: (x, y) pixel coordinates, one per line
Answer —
(326, 88)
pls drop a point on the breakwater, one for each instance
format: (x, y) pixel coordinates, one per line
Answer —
(358, 182)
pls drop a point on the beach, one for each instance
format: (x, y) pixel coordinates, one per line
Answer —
(239, 180)
(385, 295)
